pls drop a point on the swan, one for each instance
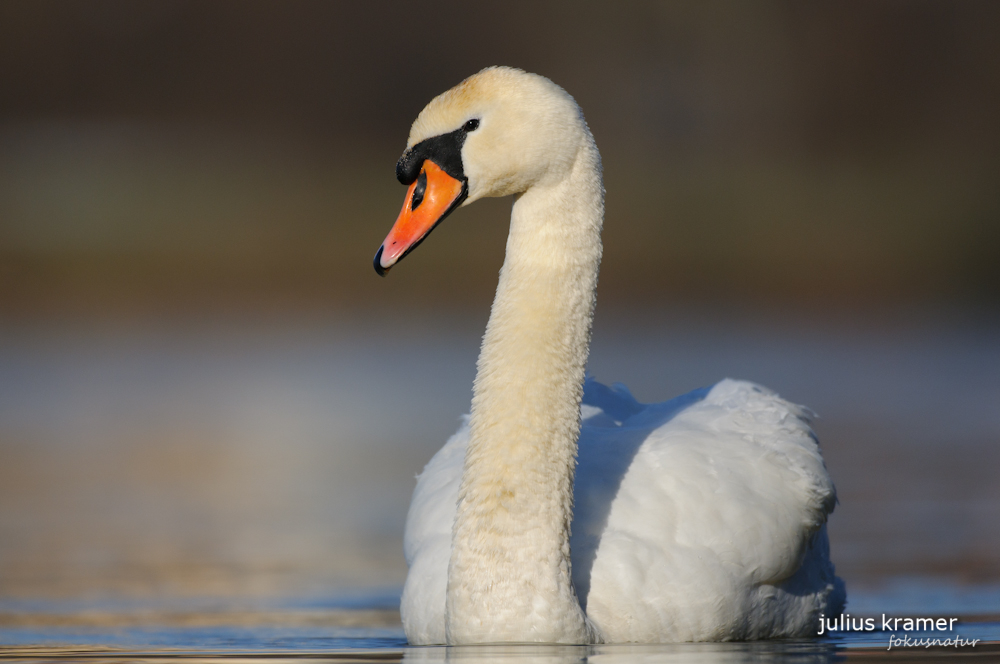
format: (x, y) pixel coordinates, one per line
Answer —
(701, 518)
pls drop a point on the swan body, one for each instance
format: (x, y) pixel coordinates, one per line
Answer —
(564, 511)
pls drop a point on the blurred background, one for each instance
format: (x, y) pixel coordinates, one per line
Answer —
(206, 391)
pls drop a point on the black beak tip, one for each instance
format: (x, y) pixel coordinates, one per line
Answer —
(378, 263)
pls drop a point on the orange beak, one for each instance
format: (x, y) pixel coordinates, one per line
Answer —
(431, 198)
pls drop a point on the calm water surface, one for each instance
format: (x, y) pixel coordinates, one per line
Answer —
(362, 626)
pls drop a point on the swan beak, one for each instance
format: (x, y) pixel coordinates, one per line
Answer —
(431, 198)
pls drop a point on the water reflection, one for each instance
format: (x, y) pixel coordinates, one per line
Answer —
(807, 652)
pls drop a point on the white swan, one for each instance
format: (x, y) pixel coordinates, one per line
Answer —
(701, 518)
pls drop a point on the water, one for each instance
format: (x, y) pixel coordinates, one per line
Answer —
(231, 488)
(340, 627)
(293, 632)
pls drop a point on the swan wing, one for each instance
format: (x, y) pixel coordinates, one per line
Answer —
(703, 518)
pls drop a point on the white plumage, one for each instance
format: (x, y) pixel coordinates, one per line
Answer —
(700, 518)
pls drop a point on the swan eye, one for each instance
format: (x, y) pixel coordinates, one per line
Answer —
(471, 125)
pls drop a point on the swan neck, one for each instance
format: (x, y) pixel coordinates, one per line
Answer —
(510, 571)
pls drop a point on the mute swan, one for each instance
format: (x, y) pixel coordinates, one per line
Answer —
(700, 518)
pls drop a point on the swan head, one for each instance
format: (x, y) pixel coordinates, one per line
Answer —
(497, 133)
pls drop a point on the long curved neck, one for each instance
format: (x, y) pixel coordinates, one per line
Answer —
(509, 577)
